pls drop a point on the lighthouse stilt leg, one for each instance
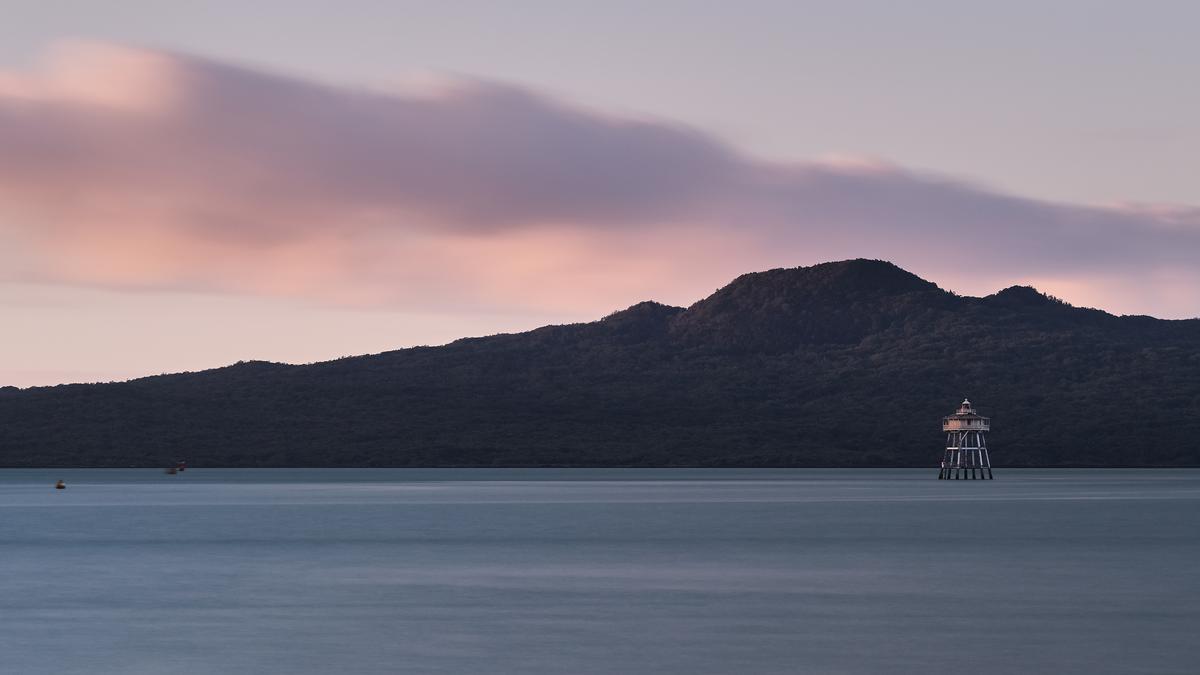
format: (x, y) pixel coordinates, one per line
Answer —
(978, 458)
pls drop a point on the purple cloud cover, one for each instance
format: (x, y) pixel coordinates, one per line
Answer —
(137, 168)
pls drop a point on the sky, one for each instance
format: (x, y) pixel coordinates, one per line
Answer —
(182, 187)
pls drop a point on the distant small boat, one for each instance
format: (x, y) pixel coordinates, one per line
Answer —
(181, 466)
(60, 485)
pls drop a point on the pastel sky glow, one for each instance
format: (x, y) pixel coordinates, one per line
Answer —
(191, 204)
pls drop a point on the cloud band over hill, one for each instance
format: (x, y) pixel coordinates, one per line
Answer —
(135, 168)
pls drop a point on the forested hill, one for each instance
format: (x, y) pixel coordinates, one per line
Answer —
(842, 364)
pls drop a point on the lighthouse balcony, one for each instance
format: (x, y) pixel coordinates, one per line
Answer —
(970, 424)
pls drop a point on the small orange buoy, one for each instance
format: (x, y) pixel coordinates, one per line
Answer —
(60, 485)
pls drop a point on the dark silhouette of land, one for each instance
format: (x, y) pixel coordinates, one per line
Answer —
(842, 364)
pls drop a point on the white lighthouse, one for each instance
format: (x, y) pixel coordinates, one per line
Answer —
(966, 450)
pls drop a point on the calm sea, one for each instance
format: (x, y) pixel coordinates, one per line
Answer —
(598, 571)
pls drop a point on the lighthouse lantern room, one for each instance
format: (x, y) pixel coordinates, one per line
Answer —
(966, 450)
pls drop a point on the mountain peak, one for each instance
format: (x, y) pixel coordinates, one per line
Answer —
(641, 321)
(844, 276)
(831, 302)
(1021, 296)
(863, 274)
(645, 310)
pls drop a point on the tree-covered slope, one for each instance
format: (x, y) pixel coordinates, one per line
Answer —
(842, 364)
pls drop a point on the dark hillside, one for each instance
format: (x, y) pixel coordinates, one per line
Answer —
(841, 364)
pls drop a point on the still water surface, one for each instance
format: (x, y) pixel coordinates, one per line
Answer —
(598, 571)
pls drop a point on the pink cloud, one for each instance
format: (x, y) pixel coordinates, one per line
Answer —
(137, 168)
